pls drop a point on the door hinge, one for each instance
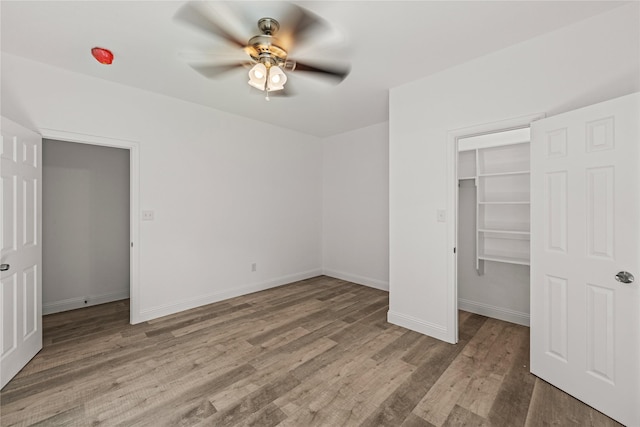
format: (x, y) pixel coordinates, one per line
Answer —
(454, 250)
(131, 244)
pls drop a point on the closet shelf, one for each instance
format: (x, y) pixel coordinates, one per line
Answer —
(510, 173)
(504, 231)
(505, 259)
(520, 202)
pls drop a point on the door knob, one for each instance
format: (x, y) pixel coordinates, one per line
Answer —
(625, 277)
(4, 267)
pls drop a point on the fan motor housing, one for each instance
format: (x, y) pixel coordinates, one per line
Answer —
(265, 47)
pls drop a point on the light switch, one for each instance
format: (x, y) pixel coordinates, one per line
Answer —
(442, 215)
(147, 215)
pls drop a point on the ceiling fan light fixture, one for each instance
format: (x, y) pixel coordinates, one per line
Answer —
(267, 52)
(267, 78)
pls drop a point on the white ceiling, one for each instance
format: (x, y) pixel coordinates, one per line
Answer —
(387, 43)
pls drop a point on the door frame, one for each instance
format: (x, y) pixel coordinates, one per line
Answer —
(134, 202)
(452, 206)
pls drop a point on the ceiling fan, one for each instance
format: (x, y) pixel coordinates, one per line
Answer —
(267, 52)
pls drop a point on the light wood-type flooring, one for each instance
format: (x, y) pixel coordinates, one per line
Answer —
(313, 353)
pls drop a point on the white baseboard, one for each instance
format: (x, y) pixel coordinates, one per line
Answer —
(418, 325)
(80, 302)
(488, 310)
(360, 280)
(189, 303)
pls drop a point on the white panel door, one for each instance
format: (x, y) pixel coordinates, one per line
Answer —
(21, 248)
(585, 228)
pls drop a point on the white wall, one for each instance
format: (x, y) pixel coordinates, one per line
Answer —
(85, 225)
(356, 206)
(591, 61)
(226, 191)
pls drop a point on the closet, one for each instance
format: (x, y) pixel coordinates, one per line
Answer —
(494, 224)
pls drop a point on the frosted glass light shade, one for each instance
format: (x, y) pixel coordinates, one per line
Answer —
(277, 78)
(258, 76)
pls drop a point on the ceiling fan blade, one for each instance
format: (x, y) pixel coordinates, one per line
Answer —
(196, 15)
(215, 70)
(337, 72)
(298, 26)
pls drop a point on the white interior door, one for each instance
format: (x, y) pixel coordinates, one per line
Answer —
(585, 201)
(21, 248)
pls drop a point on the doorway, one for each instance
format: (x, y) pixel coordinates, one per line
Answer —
(133, 155)
(85, 225)
(489, 242)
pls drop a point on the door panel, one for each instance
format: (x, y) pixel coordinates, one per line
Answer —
(556, 208)
(556, 317)
(600, 212)
(585, 228)
(21, 284)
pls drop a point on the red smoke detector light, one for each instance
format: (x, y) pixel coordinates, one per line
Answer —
(103, 56)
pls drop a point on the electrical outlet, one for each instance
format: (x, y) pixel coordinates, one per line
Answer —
(254, 267)
(147, 215)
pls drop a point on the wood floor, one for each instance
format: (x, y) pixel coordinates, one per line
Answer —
(316, 352)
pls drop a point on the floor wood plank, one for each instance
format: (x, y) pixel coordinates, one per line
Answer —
(552, 407)
(318, 352)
